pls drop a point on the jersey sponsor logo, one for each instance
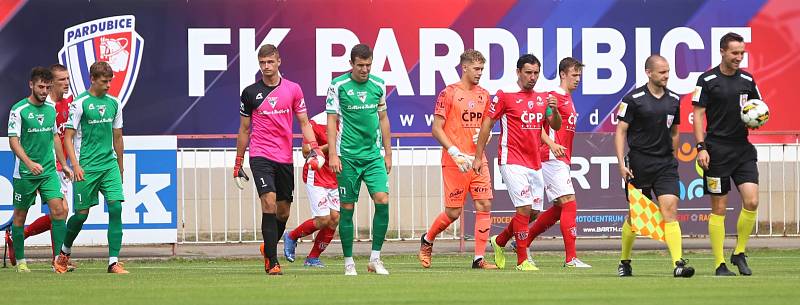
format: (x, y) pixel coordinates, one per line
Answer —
(714, 184)
(100, 121)
(670, 118)
(456, 193)
(698, 90)
(361, 107)
(111, 39)
(531, 120)
(273, 112)
(471, 119)
(622, 110)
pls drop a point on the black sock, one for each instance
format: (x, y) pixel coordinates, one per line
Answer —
(270, 235)
(281, 227)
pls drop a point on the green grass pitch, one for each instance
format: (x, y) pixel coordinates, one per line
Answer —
(776, 280)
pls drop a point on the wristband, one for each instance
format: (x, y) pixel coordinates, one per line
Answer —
(453, 150)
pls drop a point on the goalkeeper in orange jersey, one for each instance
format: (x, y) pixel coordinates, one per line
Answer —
(458, 115)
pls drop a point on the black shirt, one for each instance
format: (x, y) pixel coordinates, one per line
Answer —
(650, 120)
(723, 97)
(253, 96)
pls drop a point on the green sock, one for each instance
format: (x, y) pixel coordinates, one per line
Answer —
(346, 232)
(74, 225)
(58, 228)
(380, 223)
(18, 236)
(114, 228)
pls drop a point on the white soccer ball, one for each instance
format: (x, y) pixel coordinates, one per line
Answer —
(755, 113)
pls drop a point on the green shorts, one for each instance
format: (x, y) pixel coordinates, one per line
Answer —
(107, 182)
(48, 185)
(371, 171)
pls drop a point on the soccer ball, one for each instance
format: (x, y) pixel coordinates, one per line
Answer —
(755, 113)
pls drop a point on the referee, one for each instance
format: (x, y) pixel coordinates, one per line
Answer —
(648, 118)
(724, 151)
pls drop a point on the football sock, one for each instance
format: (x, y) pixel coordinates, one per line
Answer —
(672, 236)
(520, 236)
(74, 225)
(346, 232)
(380, 224)
(483, 224)
(745, 224)
(18, 236)
(716, 232)
(321, 241)
(439, 224)
(270, 234)
(114, 228)
(544, 221)
(569, 231)
(57, 233)
(38, 226)
(305, 229)
(628, 237)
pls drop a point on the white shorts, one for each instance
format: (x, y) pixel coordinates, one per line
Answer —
(322, 200)
(557, 181)
(525, 185)
(66, 187)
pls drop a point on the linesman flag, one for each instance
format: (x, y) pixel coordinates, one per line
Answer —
(646, 219)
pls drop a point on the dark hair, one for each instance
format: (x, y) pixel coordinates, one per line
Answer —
(569, 62)
(268, 50)
(57, 68)
(727, 38)
(100, 69)
(472, 55)
(360, 51)
(652, 59)
(41, 74)
(527, 59)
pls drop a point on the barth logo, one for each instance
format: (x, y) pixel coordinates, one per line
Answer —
(111, 39)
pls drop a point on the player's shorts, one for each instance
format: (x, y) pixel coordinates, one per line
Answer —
(525, 185)
(322, 200)
(371, 171)
(656, 174)
(729, 161)
(557, 180)
(66, 185)
(108, 182)
(457, 184)
(25, 190)
(273, 177)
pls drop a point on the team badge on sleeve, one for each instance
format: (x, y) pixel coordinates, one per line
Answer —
(622, 110)
(696, 94)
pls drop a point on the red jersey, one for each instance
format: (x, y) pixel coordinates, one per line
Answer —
(565, 135)
(62, 114)
(325, 176)
(522, 115)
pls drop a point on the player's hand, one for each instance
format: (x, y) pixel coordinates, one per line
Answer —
(316, 158)
(625, 172)
(477, 133)
(552, 101)
(558, 150)
(334, 163)
(477, 164)
(462, 160)
(240, 178)
(703, 158)
(387, 160)
(67, 172)
(35, 168)
(77, 173)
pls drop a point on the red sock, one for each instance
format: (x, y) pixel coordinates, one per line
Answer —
(521, 236)
(569, 213)
(305, 229)
(483, 224)
(545, 220)
(440, 224)
(323, 239)
(38, 226)
(505, 236)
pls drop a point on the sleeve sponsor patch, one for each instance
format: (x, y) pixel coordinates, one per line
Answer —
(698, 90)
(622, 110)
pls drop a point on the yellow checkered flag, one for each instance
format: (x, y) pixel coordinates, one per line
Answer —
(646, 219)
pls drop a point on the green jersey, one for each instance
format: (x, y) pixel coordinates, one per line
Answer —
(94, 120)
(35, 126)
(359, 135)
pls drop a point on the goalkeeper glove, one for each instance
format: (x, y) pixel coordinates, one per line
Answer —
(239, 176)
(462, 160)
(316, 158)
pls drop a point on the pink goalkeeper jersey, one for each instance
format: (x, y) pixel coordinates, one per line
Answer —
(272, 110)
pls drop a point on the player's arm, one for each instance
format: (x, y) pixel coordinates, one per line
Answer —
(483, 138)
(307, 149)
(699, 103)
(619, 146)
(333, 158)
(61, 157)
(73, 122)
(675, 134)
(552, 115)
(557, 149)
(386, 135)
(119, 148)
(16, 147)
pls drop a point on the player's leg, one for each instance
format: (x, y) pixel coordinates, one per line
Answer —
(83, 198)
(349, 180)
(454, 189)
(51, 194)
(264, 179)
(723, 159)
(517, 180)
(746, 179)
(481, 191)
(668, 205)
(24, 198)
(377, 181)
(38, 226)
(111, 187)
(325, 235)
(317, 201)
(284, 188)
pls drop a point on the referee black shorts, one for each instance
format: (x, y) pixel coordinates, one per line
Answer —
(737, 161)
(273, 177)
(656, 174)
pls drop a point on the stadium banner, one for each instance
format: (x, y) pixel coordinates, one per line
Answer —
(181, 65)
(602, 205)
(150, 210)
